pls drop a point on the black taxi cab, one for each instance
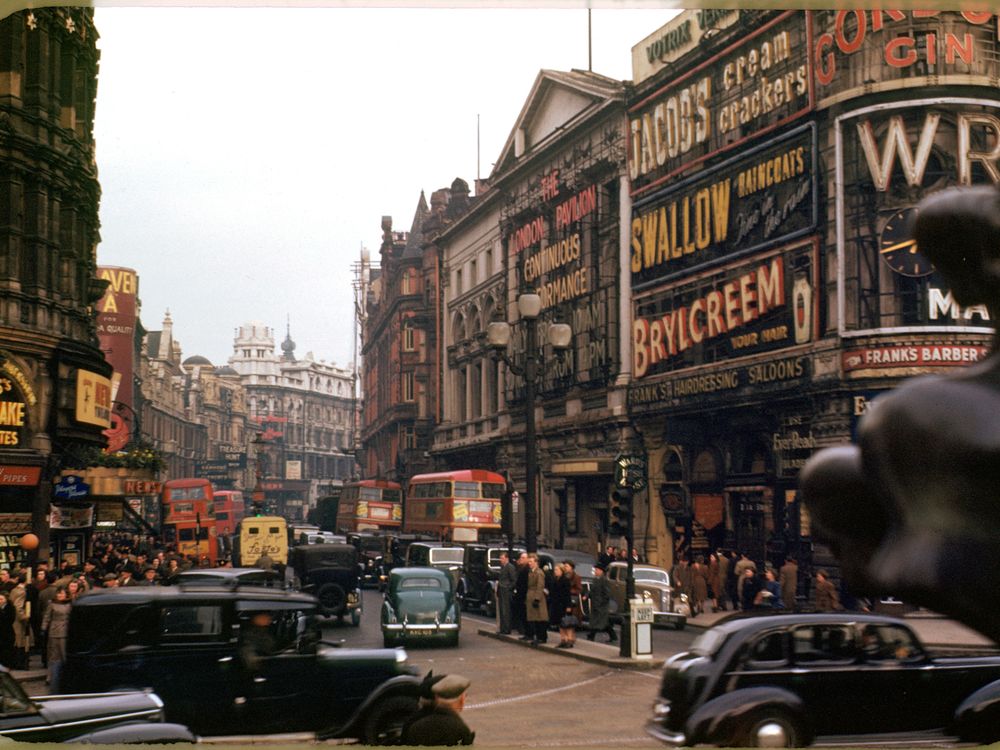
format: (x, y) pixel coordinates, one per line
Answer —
(791, 680)
(237, 661)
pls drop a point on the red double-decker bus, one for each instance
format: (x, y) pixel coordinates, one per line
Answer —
(229, 510)
(189, 518)
(370, 505)
(455, 505)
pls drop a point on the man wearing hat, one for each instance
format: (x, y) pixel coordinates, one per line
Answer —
(110, 581)
(438, 723)
(149, 576)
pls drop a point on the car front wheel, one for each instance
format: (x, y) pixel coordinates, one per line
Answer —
(773, 728)
(385, 721)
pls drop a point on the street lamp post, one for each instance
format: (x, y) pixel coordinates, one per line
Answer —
(498, 334)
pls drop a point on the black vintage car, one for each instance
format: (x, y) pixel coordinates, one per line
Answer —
(331, 573)
(790, 680)
(243, 661)
(371, 549)
(104, 718)
(440, 555)
(231, 577)
(478, 582)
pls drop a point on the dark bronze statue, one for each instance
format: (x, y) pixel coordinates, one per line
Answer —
(913, 510)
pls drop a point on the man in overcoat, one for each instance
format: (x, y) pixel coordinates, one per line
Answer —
(536, 602)
(505, 592)
(600, 605)
(789, 578)
(827, 598)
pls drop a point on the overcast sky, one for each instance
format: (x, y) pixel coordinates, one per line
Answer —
(247, 154)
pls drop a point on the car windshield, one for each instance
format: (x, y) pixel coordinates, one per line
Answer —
(370, 543)
(708, 643)
(651, 574)
(449, 555)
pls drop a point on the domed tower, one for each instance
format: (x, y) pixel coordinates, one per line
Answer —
(288, 346)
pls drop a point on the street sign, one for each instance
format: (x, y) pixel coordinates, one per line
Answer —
(630, 472)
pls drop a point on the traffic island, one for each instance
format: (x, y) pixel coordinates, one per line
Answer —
(595, 653)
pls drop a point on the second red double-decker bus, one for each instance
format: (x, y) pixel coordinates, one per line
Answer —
(370, 505)
(455, 505)
(229, 510)
(189, 518)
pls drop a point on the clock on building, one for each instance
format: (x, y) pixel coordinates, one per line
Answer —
(898, 248)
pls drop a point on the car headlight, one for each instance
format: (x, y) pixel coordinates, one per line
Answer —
(647, 596)
(390, 615)
(450, 615)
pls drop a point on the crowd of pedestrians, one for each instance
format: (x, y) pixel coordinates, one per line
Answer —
(35, 604)
(731, 581)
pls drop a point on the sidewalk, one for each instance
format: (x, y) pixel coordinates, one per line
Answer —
(935, 631)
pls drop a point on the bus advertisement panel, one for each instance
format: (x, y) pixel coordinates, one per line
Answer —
(455, 505)
(189, 518)
(370, 505)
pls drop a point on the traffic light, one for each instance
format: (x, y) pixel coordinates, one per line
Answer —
(621, 512)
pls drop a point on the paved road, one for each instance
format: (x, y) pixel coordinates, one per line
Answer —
(521, 696)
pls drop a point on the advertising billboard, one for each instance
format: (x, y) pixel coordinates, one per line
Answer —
(888, 157)
(117, 313)
(765, 196)
(759, 305)
(554, 249)
(861, 52)
(752, 87)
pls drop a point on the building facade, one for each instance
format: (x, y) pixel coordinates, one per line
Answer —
(550, 224)
(303, 411)
(55, 394)
(400, 343)
(775, 161)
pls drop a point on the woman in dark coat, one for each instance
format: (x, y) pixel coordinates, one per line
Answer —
(7, 617)
(574, 609)
(559, 601)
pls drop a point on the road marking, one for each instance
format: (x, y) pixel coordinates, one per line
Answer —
(530, 696)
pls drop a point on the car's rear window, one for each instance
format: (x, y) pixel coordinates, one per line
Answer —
(420, 583)
(452, 555)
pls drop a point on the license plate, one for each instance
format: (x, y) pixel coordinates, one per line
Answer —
(420, 630)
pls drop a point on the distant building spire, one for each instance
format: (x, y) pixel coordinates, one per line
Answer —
(288, 346)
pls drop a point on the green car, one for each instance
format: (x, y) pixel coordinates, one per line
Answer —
(420, 605)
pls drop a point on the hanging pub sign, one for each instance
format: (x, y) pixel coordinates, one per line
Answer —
(863, 52)
(71, 487)
(762, 304)
(760, 83)
(93, 398)
(765, 196)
